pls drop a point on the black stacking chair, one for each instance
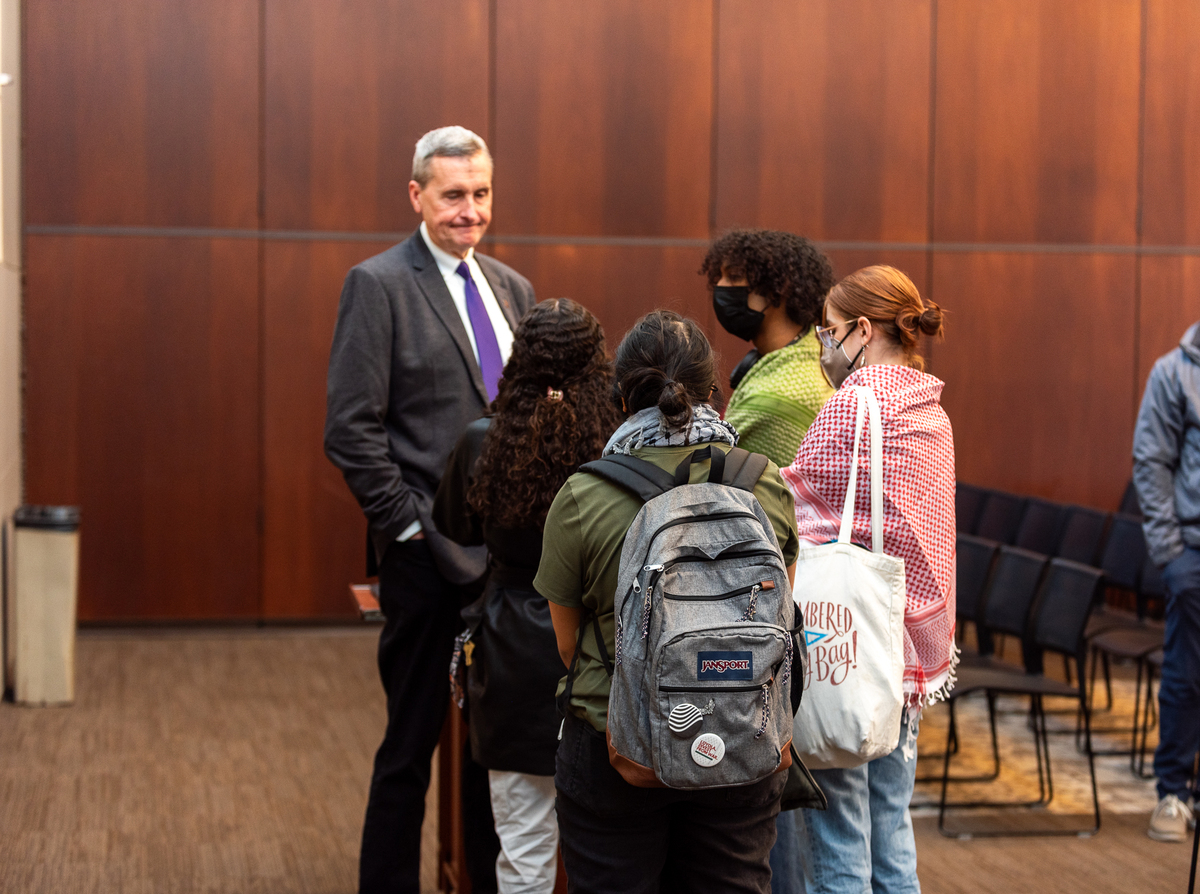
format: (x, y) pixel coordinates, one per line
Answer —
(1129, 501)
(1122, 559)
(1134, 644)
(1083, 534)
(1041, 527)
(968, 503)
(1009, 596)
(1151, 586)
(1000, 517)
(1121, 635)
(1041, 531)
(1064, 600)
(975, 559)
(1001, 580)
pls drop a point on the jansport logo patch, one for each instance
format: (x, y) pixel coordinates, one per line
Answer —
(724, 665)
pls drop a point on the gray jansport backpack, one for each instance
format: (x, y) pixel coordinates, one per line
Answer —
(702, 677)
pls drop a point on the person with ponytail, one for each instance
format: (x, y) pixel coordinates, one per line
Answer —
(617, 837)
(552, 412)
(874, 320)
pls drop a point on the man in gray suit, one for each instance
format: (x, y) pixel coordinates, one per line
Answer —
(423, 332)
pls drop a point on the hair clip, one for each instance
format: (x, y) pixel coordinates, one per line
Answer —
(553, 394)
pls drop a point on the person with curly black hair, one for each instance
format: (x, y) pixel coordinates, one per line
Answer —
(553, 412)
(768, 288)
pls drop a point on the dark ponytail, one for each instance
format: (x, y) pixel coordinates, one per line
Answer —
(665, 361)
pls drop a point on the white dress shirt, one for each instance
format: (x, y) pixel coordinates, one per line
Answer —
(448, 267)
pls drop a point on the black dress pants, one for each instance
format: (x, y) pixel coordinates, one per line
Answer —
(620, 839)
(422, 619)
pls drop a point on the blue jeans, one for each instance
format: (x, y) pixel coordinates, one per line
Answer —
(787, 874)
(1179, 692)
(864, 841)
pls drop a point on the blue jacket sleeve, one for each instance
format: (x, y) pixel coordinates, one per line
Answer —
(1157, 442)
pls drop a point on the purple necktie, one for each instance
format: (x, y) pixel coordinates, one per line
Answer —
(490, 362)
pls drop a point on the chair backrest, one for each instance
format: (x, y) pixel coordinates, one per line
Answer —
(1041, 527)
(1151, 585)
(1011, 590)
(1124, 552)
(975, 557)
(1082, 535)
(1001, 516)
(968, 502)
(1064, 602)
(1129, 501)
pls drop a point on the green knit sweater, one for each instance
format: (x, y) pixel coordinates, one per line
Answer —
(778, 399)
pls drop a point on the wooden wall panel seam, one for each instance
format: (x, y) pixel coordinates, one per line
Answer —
(663, 241)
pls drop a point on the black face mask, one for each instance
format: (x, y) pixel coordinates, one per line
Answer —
(733, 312)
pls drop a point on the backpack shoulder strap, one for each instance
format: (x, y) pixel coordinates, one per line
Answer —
(743, 468)
(641, 478)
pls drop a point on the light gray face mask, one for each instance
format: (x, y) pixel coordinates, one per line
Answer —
(837, 365)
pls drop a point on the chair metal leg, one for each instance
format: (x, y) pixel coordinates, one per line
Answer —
(953, 745)
(1147, 718)
(1142, 667)
(1041, 746)
(1137, 714)
(1195, 852)
(1107, 683)
(991, 700)
(1045, 779)
(946, 772)
(1091, 756)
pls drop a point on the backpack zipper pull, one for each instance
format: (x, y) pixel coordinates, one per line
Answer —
(637, 581)
(788, 657)
(655, 571)
(748, 615)
(766, 709)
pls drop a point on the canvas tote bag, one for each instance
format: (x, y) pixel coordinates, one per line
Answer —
(853, 605)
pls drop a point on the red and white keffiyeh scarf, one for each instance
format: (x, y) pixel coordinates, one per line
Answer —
(918, 506)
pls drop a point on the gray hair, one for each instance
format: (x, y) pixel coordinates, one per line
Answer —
(445, 142)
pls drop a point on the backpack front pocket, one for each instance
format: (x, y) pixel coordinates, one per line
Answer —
(721, 713)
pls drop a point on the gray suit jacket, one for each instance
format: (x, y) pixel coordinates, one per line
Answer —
(403, 385)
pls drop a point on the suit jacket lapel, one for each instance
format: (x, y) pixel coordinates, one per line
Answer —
(429, 279)
(500, 289)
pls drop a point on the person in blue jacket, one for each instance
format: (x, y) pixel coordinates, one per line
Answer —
(1166, 471)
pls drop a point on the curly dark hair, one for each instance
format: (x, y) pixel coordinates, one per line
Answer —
(782, 267)
(552, 413)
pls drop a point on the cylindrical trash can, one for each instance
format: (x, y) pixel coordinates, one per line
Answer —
(46, 578)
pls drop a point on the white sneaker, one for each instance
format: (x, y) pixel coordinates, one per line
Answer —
(1170, 820)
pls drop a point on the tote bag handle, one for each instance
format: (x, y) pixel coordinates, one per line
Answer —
(867, 401)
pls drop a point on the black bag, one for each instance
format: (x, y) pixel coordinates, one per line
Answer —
(512, 669)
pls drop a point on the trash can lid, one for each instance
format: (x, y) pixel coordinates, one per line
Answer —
(54, 518)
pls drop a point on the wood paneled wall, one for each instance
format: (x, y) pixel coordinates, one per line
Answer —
(199, 177)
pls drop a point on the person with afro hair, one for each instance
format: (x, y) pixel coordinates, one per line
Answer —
(768, 288)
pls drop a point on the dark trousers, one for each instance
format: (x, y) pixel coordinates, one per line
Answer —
(626, 840)
(1179, 691)
(422, 619)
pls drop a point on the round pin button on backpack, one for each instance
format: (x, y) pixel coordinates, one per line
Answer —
(708, 749)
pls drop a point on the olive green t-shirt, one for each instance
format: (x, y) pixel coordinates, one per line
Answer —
(581, 555)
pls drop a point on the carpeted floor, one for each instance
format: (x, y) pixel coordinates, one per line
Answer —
(237, 762)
